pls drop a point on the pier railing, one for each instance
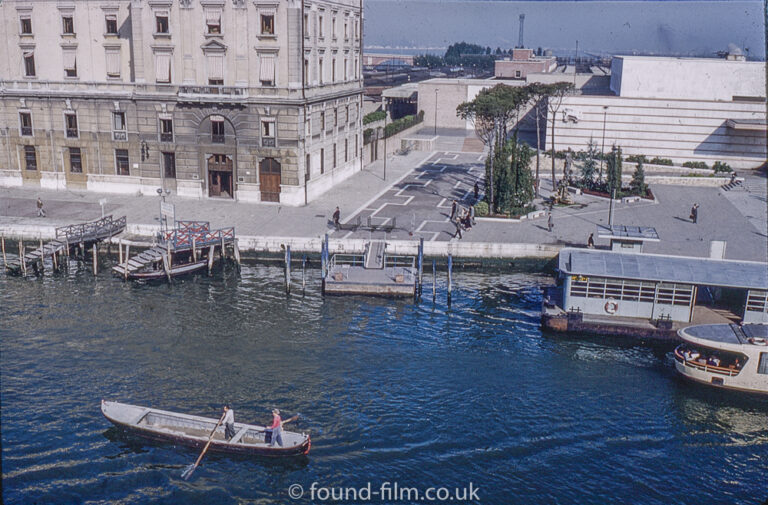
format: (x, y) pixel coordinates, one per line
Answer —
(199, 234)
(94, 230)
(399, 261)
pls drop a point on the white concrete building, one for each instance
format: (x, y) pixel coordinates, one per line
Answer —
(252, 100)
(684, 109)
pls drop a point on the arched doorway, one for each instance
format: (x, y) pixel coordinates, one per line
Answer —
(269, 179)
(220, 175)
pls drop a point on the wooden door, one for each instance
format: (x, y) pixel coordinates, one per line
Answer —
(220, 175)
(269, 179)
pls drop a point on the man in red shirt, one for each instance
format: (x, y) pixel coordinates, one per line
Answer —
(277, 428)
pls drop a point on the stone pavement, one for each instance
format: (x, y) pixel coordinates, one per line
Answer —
(416, 197)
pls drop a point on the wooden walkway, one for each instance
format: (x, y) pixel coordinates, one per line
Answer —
(374, 254)
(374, 273)
(140, 261)
(67, 238)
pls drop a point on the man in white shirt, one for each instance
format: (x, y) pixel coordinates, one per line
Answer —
(229, 423)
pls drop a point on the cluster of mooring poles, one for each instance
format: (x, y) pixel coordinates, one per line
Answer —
(59, 251)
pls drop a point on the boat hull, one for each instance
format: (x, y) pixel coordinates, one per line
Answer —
(217, 445)
(176, 271)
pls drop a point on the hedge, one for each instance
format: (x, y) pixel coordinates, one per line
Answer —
(374, 116)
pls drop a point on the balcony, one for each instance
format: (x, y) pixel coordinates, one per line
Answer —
(268, 142)
(217, 139)
(119, 135)
(166, 137)
(71, 133)
(26, 131)
(212, 93)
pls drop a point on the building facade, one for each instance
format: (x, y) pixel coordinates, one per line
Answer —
(256, 100)
(683, 109)
(523, 62)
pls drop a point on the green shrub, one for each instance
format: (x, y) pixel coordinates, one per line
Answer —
(695, 164)
(403, 123)
(637, 158)
(661, 161)
(481, 209)
(374, 116)
(719, 166)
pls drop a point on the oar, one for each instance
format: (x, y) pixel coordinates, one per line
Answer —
(191, 468)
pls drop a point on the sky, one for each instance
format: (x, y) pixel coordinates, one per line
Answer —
(689, 27)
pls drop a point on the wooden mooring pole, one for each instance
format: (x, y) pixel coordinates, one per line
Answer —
(55, 263)
(288, 270)
(303, 273)
(211, 252)
(42, 257)
(95, 260)
(22, 262)
(120, 251)
(421, 264)
(434, 280)
(450, 278)
(127, 255)
(2, 243)
(194, 250)
(236, 251)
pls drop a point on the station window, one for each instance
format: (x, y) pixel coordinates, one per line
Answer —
(161, 23)
(217, 131)
(70, 121)
(169, 165)
(26, 25)
(30, 157)
(166, 130)
(75, 160)
(122, 162)
(25, 121)
(68, 25)
(267, 24)
(111, 21)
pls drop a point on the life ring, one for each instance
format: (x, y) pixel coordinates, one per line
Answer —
(611, 306)
(758, 341)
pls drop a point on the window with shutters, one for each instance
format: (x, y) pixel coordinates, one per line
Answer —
(25, 123)
(169, 165)
(215, 69)
(30, 158)
(67, 25)
(333, 69)
(268, 133)
(322, 120)
(161, 23)
(217, 130)
(113, 63)
(334, 155)
(320, 71)
(163, 67)
(118, 126)
(166, 129)
(321, 25)
(70, 62)
(267, 24)
(26, 25)
(333, 26)
(322, 161)
(29, 64)
(111, 24)
(122, 163)
(213, 21)
(306, 24)
(70, 123)
(346, 150)
(306, 71)
(267, 70)
(75, 160)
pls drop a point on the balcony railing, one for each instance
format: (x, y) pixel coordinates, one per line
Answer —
(166, 137)
(26, 131)
(217, 139)
(71, 133)
(268, 142)
(214, 90)
(119, 135)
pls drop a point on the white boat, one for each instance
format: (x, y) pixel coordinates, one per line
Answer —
(727, 356)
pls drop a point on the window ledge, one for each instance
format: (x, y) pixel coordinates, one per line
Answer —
(213, 35)
(162, 35)
(267, 36)
(111, 36)
(69, 35)
(27, 35)
(71, 78)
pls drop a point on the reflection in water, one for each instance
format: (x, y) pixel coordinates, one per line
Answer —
(391, 390)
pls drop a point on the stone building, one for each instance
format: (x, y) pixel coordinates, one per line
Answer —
(257, 100)
(523, 62)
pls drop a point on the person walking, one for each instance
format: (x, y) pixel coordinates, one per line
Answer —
(336, 218)
(591, 241)
(454, 208)
(457, 224)
(550, 223)
(472, 215)
(229, 422)
(477, 191)
(695, 213)
(40, 210)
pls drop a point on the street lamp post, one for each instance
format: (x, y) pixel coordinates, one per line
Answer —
(385, 141)
(602, 149)
(436, 90)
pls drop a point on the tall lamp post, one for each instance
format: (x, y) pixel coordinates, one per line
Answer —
(436, 90)
(602, 149)
(385, 140)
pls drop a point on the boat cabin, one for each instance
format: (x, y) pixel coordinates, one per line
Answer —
(656, 287)
(625, 238)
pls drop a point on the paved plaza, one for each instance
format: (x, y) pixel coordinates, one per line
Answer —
(414, 201)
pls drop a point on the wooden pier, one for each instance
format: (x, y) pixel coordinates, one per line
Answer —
(68, 239)
(372, 273)
(189, 247)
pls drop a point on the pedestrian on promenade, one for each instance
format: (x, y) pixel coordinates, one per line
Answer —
(454, 208)
(40, 210)
(472, 215)
(457, 224)
(477, 191)
(591, 241)
(550, 224)
(229, 422)
(695, 213)
(336, 217)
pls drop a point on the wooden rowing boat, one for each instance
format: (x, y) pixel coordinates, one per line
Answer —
(176, 271)
(193, 431)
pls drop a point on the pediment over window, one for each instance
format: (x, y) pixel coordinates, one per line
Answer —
(214, 46)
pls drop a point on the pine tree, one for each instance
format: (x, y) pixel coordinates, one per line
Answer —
(637, 184)
(614, 169)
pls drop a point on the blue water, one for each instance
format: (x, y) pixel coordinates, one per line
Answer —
(420, 395)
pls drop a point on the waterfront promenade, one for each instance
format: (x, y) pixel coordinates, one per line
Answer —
(416, 197)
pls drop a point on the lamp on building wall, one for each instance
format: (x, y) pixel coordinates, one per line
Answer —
(144, 150)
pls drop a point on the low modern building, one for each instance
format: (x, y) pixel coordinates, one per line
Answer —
(683, 109)
(522, 63)
(249, 100)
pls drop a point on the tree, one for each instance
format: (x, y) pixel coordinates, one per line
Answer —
(557, 93)
(637, 184)
(589, 165)
(520, 180)
(538, 92)
(613, 169)
(428, 60)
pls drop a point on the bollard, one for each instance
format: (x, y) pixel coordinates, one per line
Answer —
(55, 263)
(450, 278)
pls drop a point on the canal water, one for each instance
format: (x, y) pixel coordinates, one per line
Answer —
(394, 393)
